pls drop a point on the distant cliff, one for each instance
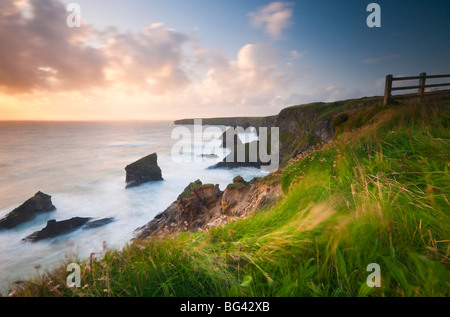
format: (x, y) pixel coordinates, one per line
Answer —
(233, 121)
(301, 127)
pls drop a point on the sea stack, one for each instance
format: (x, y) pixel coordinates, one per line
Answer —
(142, 171)
(40, 203)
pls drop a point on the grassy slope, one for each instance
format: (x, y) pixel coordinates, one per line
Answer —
(377, 194)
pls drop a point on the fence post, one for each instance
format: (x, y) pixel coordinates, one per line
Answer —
(388, 89)
(421, 91)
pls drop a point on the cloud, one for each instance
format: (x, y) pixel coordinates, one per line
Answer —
(40, 52)
(372, 61)
(33, 44)
(151, 59)
(273, 18)
(250, 80)
(155, 71)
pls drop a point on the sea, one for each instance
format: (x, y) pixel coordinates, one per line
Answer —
(82, 166)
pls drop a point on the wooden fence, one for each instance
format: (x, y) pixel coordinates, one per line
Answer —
(421, 87)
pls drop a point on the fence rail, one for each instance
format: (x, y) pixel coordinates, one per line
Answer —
(421, 87)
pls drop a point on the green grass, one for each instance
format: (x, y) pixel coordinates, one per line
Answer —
(379, 193)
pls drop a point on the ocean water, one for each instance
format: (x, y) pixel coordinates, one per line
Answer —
(81, 165)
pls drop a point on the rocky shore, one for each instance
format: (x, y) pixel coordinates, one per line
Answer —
(203, 206)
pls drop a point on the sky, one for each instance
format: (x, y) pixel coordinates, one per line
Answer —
(174, 59)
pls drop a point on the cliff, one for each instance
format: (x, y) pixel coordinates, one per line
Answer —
(232, 121)
(301, 127)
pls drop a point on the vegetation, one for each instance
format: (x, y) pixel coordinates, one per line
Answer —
(187, 192)
(379, 193)
(238, 183)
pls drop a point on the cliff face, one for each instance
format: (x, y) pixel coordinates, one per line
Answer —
(201, 207)
(301, 128)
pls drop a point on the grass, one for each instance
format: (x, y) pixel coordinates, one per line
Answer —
(379, 193)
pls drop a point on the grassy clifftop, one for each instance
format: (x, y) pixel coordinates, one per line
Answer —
(378, 193)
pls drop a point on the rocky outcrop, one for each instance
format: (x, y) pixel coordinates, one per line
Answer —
(193, 209)
(201, 207)
(40, 203)
(56, 228)
(234, 194)
(142, 171)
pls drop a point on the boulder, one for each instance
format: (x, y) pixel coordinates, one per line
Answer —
(142, 171)
(40, 203)
(56, 228)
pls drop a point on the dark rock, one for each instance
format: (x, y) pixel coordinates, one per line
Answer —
(56, 228)
(98, 223)
(142, 171)
(40, 203)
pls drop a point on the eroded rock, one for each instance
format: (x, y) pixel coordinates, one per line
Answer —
(143, 171)
(40, 203)
(201, 207)
(194, 208)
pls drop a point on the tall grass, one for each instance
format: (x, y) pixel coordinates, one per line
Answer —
(377, 194)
